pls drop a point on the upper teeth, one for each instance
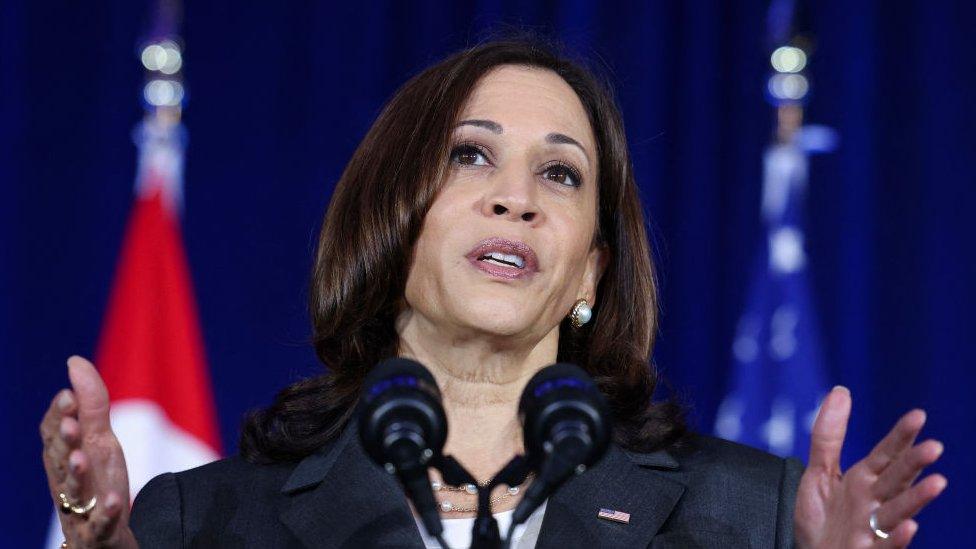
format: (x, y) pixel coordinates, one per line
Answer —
(513, 259)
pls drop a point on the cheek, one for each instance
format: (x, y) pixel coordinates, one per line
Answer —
(569, 269)
(574, 270)
(433, 246)
(574, 233)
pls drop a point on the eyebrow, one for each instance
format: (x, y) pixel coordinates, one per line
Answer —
(490, 125)
(552, 138)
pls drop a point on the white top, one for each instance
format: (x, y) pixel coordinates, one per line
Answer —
(457, 532)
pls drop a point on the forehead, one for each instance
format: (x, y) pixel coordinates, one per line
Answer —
(529, 99)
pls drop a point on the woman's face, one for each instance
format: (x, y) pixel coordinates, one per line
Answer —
(507, 246)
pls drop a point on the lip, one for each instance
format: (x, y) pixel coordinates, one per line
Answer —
(505, 246)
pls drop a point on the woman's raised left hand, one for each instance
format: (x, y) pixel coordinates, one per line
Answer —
(834, 507)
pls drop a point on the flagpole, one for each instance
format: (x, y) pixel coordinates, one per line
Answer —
(778, 375)
(160, 136)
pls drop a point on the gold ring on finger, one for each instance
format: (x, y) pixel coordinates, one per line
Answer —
(68, 507)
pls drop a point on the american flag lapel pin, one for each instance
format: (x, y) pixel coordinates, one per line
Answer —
(614, 515)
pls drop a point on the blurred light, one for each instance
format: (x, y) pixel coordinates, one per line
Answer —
(164, 57)
(163, 93)
(817, 139)
(174, 60)
(786, 253)
(153, 57)
(788, 86)
(788, 59)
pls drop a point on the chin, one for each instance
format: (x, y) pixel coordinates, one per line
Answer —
(497, 317)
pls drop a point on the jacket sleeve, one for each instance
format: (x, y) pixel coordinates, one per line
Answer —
(789, 482)
(156, 518)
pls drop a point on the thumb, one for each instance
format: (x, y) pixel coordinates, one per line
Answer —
(91, 394)
(829, 430)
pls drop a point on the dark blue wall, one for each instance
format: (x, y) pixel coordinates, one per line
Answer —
(280, 95)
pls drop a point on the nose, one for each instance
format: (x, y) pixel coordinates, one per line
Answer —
(513, 198)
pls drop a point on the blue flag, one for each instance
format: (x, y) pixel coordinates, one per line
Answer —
(778, 374)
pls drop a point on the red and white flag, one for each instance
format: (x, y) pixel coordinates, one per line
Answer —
(151, 352)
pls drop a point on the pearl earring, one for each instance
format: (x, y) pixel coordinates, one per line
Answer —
(581, 314)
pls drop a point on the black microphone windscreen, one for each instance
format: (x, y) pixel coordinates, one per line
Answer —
(399, 392)
(553, 393)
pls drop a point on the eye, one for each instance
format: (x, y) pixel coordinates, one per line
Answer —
(563, 174)
(469, 154)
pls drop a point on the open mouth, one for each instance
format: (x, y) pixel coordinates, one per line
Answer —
(504, 258)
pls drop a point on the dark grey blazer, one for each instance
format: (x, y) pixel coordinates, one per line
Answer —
(705, 493)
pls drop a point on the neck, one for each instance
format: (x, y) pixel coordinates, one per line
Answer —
(481, 378)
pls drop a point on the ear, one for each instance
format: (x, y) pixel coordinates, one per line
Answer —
(596, 264)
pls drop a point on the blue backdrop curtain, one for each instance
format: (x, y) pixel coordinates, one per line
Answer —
(281, 93)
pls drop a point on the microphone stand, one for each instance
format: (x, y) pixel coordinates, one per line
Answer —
(453, 473)
(484, 534)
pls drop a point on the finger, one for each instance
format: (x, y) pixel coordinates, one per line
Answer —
(73, 488)
(76, 482)
(909, 502)
(900, 438)
(57, 451)
(829, 430)
(56, 455)
(105, 517)
(902, 535)
(63, 404)
(92, 396)
(53, 430)
(70, 432)
(902, 472)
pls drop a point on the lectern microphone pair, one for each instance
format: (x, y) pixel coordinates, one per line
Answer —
(402, 426)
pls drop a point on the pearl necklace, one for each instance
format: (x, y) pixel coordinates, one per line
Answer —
(448, 507)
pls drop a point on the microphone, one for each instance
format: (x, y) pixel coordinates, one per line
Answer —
(402, 427)
(566, 427)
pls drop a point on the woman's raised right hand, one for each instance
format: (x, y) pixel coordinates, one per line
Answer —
(84, 459)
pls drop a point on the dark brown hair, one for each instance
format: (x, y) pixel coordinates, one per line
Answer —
(373, 221)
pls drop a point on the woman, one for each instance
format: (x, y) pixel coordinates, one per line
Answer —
(489, 208)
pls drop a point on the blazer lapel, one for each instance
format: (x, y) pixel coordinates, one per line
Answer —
(339, 498)
(637, 484)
